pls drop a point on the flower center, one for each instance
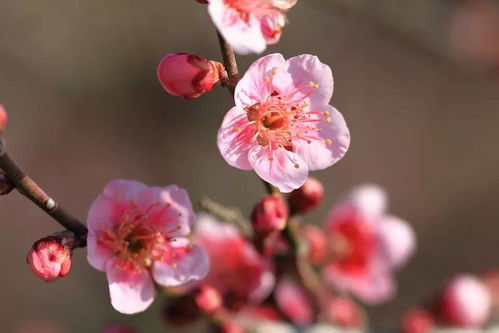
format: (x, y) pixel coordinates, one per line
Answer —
(282, 118)
(259, 8)
(352, 245)
(138, 239)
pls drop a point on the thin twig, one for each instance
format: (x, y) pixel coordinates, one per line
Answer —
(228, 214)
(27, 187)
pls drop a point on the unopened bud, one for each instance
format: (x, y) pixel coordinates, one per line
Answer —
(316, 241)
(465, 302)
(343, 312)
(269, 215)
(3, 119)
(187, 75)
(208, 299)
(49, 259)
(6, 185)
(202, 1)
(417, 321)
(307, 197)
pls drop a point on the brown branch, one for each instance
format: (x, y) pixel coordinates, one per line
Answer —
(27, 187)
(230, 63)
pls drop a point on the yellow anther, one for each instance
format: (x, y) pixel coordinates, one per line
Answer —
(238, 129)
(313, 85)
(274, 72)
(296, 165)
(174, 265)
(328, 119)
(329, 142)
(267, 79)
(325, 113)
(271, 158)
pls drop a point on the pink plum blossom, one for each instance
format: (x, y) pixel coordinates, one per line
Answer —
(250, 25)
(238, 272)
(137, 235)
(282, 126)
(367, 246)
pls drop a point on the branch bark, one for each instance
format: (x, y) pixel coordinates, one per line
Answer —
(27, 187)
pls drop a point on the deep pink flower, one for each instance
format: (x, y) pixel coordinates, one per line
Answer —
(249, 25)
(465, 302)
(366, 245)
(342, 311)
(136, 234)
(293, 301)
(239, 273)
(282, 125)
(418, 321)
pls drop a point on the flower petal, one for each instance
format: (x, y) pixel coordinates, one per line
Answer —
(279, 167)
(193, 266)
(244, 36)
(397, 239)
(124, 190)
(235, 137)
(298, 72)
(131, 292)
(369, 200)
(253, 88)
(169, 207)
(320, 154)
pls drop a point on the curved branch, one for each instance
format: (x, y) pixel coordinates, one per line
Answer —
(27, 187)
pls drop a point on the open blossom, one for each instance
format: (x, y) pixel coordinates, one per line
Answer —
(282, 125)
(238, 272)
(465, 302)
(249, 25)
(366, 246)
(137, 234)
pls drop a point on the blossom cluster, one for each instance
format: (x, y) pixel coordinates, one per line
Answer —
(272, 268)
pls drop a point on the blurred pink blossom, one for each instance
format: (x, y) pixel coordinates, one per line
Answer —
(465, 302)
(137, 234)
(282, 126)
(249, 25)
(417, 321)
(239, 273)
(3, 119)
(293, 301)
(366, 245)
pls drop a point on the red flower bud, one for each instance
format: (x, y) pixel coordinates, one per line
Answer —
(269, 215)
(417, 321)
(306, 197)
(465, 302)
(6, 185)
(49, 259)
(187, 75)
(3, 119)
(316, 241)
(343, 311)
(208, 299)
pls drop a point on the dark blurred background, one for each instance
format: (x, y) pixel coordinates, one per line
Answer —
(416, 80)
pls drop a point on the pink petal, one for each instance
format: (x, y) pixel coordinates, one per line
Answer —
(169, 207)
(207, 227)
(244, 37)
(280, 167)
(298, 72)
(284, 4)
(397, 240)
(131, 292)
(375, 287)
(97, 256)
(318, 154)
(293, 302)
(124, 190)
(235, 139)
(252, 88)
(369, 200)
(194, 266)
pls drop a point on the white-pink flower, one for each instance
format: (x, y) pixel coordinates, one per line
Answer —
(238, 272)
(249, 25)
(366, 246)
(282, 125)
(137, 235)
